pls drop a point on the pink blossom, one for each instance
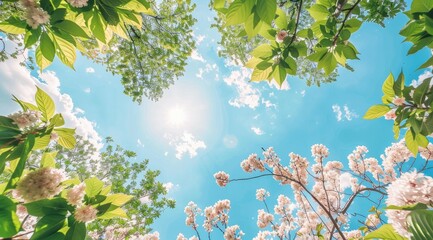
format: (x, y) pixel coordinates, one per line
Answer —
(261, 194)
(151, 236)
(281, 35)
(40, 184)
(399, 101)
(410, 188)
(221, 178)
(391, 115)
(85, 213)
(372, 220)
(78, 3)
(26, 119)
(75, 195)
(264, 218)
(191, 211)
(233, 233)
(427, 153)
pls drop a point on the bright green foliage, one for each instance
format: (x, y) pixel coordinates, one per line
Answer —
(130, 179)
(292, 37)
(145, 42)
(420, 224)
(419, 29)
(153, 55)
(385, 232)
(413, 114)
(56, 216)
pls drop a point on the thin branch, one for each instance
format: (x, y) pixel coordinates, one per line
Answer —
(344, 22)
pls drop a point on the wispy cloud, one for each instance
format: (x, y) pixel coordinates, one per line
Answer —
(257, 131)
(139, 143)
(197, 56)
(248, 95)
(87, 90)
(345, 114)
(185, 144)
(90, 70)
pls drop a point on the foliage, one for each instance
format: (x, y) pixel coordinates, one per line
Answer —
(130, 37)
(118, 168)
(60, 207)
(293, 41)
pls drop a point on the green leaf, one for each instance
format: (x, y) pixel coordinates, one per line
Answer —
(65, 51)
(41, 61)
(13, 25)
(388, 87)
(8, 124)
(318, 12)
(420, 223)
(239, 11)
(376, 111)
(58, 15)
(31, 37)
(253, 25)
(421, 6)
(328, 63)
(72, 28)
(115, 3)
(97, 27)
(262, 74)
(9, 224)
(263, 51)
(66, 137)
(411, 142)
(40, 208)
(427, 125)
(281, 19)
(399, 85)
(353, 25)
(427, 63)
(218, 4)
(47, 226)
(42, 142)
(47, 47)
(396, 130)
(385, 232)
(411, 207)
(266, 10)
(117, 213)
(77, 231)
(109, 13)
(45, 104)
(93, 186)
(25, 149)
(48, 159)
(118, 199)
(279, 74)
(57, 120)
(421, 140)
(420, 92)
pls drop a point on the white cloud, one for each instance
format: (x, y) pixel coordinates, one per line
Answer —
(348, 114)
(90, 70)
(170, 186)
(302, 93)
(139, 143)
(337, 110)
(230, 141)
(257, 131)
(196, 56)
(284, 87)
(345, 180)
(247, 95)
(87, 90)
(426, 74)
(16, 80)
(186, 144)
(208, 68)
(200, 38)
(268, 104)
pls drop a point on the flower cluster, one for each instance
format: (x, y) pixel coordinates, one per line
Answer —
(85, 213)
(191, 211)
(26, 119)
(410, 188)
(40, 184)
(264, 218)
(252, 163)
(35, 15)
(75, 195)
(151, 236)
(261, 194)
(78, 3)
(221, 178)
(233, 233)
(218, 213)
(182, 237)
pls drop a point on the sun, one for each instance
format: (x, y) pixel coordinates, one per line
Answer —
(176, 117)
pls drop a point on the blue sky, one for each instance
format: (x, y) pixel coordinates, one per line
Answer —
(217, 135)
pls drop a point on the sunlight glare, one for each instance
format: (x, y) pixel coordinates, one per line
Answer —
(177, 116)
